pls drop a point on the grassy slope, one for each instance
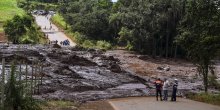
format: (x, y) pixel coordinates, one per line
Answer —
(59, 20)
(8, 8)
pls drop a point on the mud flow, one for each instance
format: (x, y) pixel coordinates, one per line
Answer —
(74, 73)
(78, 74)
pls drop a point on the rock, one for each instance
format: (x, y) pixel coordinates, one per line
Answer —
(91, 50)
(115, 68)
(143, 57)
(56, 46)
(111, 58)
(160, 68)
(76, 60)
(100, 51)
(167, 68)
(164, 68)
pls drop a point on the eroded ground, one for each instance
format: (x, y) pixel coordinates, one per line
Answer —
(77, 74)
(150, 69)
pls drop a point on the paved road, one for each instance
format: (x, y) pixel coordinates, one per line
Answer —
(54, 33)
(151, 104)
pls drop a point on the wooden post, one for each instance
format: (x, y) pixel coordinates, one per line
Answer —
(20, 73)
(35, 78)
(42, 69)
(38, 79)
(32, 79)
(26, 72)
(3, 83)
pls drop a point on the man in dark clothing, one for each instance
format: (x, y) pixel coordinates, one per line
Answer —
(175, 85)
(158, 84)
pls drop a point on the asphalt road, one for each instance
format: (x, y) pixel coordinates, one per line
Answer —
(147, 103)
(51, 30)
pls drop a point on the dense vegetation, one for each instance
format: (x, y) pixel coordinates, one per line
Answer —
(22, 30)
(8, 9)
(165, 28)
(150, 27)
(200, 35)
(29, 5)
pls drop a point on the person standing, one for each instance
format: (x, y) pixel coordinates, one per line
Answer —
(158, 84)
(165, 89)
(175, 85)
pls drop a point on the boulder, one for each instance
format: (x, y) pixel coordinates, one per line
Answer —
(115, 68)
(167, 68)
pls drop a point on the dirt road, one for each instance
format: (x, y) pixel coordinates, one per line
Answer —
(151, 104)
(51, 30)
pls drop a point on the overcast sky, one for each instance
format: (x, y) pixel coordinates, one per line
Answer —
(114, 0)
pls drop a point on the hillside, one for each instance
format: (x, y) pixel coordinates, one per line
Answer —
(8, 8)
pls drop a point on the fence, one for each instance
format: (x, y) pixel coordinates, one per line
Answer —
(30, 80)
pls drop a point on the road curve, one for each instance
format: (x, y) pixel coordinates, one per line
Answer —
(54, 33)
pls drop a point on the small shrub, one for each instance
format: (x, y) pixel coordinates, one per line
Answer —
(103, 45)
(129, 46)
(213, 83)
(79, 38)
(88, 44)
(26, 41)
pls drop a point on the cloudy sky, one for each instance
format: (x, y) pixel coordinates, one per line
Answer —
(114, 0)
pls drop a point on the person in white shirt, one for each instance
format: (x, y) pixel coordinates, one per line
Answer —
(165, 89)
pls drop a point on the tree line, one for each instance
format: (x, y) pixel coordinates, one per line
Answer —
(153, 27)
(165, 28)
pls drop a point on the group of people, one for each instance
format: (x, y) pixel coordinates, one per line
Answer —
(163, 86)
(50, 28)
(65, 42)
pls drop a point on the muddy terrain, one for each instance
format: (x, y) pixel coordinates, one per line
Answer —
(151, 68)
(2, 37)
(78, 74)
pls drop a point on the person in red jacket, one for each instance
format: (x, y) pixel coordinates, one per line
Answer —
(159, 84)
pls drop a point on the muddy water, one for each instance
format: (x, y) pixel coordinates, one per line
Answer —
(75, 74)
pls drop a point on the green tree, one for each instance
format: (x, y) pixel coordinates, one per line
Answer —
(153, 24)
(200, 35)
(20, 29)
(16, 27)
(90, 18)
